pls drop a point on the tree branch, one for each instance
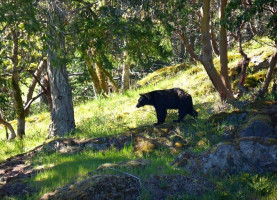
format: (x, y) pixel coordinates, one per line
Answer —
(26, 108)
(187, 45)
(9, 126)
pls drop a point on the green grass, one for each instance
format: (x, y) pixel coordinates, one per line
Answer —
(245, 186)
(79, 165)
(36, 132)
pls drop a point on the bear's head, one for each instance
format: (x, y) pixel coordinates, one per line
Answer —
(144, 99)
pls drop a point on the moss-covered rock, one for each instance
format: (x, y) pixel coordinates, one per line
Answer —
(99, 187)
(259, 125)
(252, 81)
(232, 116)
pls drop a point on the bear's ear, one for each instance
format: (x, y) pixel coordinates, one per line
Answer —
(141, 94)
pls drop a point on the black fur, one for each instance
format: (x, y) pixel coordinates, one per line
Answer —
(162, 100)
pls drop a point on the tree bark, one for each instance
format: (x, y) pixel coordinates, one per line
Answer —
(93, 75)
(110, 78)
(18, 103)
(33, 84)
(268, 76)
(223, 48)
(207, 59)
(125, 74)
(214, 44)
(62, 114)
(243, 63)
(188, 46)
(102, 78)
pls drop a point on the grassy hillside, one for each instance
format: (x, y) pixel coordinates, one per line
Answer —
(117, 115)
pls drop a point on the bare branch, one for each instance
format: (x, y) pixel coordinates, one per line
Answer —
(26, 108)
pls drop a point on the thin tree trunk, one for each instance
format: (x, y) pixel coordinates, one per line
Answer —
(126, 77)
(45, 86)
(125, 74)
(18, 103)
(243, 63)
(7, 126)
(33, 84)
(253, 28)
(268, 77)
(207, 59)
(182, 52)
(110, 78)
(62, 114)
(101, 78)
(93, 75)
(223, 48)
(188, 46)
(214, 44)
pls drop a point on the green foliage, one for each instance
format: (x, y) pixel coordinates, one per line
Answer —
(263, 12)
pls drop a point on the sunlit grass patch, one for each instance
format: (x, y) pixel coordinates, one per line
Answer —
(161, 74)
(68, 167)
(62, 169)
(35, 135)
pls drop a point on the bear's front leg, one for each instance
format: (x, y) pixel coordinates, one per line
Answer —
(161, 115)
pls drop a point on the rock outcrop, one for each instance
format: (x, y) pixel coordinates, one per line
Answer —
(250, 154)
(251, 147)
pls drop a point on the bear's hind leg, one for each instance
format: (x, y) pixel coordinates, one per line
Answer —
(182, 114)
(194, 113)
(161, 115)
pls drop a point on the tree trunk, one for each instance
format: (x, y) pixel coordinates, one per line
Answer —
(188, 46)
(268, 76)
(207, 59)
(93, 75)
(9, 126)
(182, 52)
(110, 78)
(102, 78)
(125, 74)
(223, 48)
(33, 84)
(18, 103)
(62, 114)
(243, 63)
(214, 44)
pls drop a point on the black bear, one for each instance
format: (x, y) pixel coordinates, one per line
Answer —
(162, 100)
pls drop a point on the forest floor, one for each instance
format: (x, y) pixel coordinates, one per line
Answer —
(134, 178)
(228, 152)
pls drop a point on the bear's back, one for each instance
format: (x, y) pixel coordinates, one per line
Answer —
(169, 98)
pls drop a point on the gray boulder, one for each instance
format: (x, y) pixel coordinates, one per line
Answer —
(257, 128)
(251, 154)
